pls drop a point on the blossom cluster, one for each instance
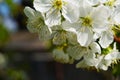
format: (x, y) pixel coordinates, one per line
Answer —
(81, 30)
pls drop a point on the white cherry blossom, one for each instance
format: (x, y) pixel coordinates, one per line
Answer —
(92, 20)
(36, 23)
(89, 57)
(79, 30)
(106, 60)
(55, 9)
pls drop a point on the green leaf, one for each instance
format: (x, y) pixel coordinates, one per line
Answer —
(4, 35)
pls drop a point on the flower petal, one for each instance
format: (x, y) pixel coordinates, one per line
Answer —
(85, 37)
(60, 56)
(53, 17)
(90, 59)
(85, 8)
(95, 48)
(82, 64)
(29, 12)
(59, 38)
(94, 2)
(71, 27)
(70, 12)
(113, 55)
(42, 5)
(44, 33)
(106, 39)
(76, 52)
(71, 38)
(100, 17)
(117, 18)
(35, 20)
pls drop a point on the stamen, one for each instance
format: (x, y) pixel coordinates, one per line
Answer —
(110, 3)
(58, 4)
(86, 21)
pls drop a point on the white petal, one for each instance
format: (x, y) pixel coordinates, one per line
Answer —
(96, 36)
(101, 12)
(117, 9)
(71, 27)
(60, 56)
(117, 2)
(85, 8)
(29, 12)
(90, 59)
(114, 46)
(117, 19)
(106, 39)
(72, 38)
(94, 2)
(85, 37)
(103, 67)
(102, 63)
(76, 52)
(35, 22)
(70, 12)
(53, 17)
(75, 2)
(100, 18)
(103, 1)
(42, 5)
(59, 38)
(95, 48)
(44, 33)
(100, 26)
(113, 55)
(82, 64)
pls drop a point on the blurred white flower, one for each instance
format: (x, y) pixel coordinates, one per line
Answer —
(36, 23)
(2, 61)
(60, 56)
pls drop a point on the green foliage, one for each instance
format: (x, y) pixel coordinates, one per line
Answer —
(16, 75)
(4, 35)
(116, 70)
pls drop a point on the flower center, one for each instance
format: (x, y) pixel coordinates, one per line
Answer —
(110, 3)
(86, 21)
(58, 4)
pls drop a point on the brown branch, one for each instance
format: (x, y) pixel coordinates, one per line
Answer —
(117, 39)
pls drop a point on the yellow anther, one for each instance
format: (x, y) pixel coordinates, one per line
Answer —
(110, 3)
(86, 21)
(58, 4)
